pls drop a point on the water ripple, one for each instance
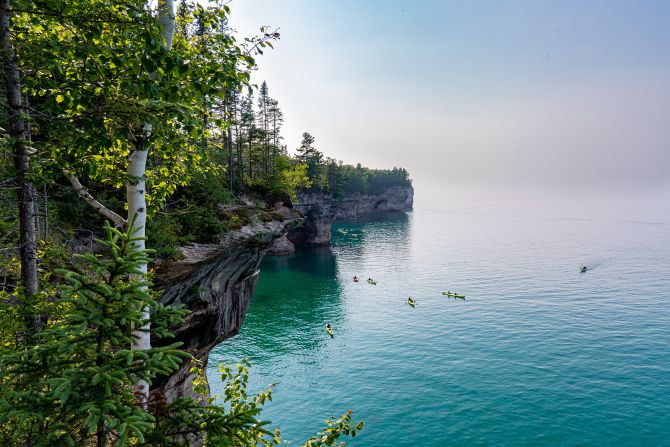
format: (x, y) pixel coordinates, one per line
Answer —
(537, 354)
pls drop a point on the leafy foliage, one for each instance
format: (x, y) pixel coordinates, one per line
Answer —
(99, 79)
(290, 176)
(74, 382)
(99, 83)
(235, 423)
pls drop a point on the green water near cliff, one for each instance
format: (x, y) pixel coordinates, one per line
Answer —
(537, 354)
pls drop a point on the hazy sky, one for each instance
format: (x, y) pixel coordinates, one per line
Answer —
(477, 95)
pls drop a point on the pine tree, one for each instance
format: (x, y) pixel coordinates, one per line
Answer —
(237, 122)
(232, 115)
(76, 384)
(248, 125)
(264, 121)
(313, 158)
(277, 121)
(229, 143)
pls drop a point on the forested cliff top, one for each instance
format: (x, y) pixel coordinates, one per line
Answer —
(141, 116)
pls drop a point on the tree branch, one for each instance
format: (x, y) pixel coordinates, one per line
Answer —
(267, 36)
(83, 193)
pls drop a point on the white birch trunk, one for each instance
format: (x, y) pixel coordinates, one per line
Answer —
(167, 21)
(137, 217)
(136, 194)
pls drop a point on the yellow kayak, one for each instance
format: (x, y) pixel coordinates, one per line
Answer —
(453, 295)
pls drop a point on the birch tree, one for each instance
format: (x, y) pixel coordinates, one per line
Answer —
(118, 101)
(136, 189)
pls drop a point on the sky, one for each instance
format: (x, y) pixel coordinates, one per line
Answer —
(477, 98)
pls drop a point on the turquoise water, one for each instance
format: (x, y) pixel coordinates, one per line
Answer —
(537, 355)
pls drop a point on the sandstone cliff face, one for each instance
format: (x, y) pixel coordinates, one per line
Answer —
(396, 198)
(319, 214)
(281, 246)
(321, 210)
(215, 282)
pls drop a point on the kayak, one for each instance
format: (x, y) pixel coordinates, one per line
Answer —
(453, 295)
(330, 332)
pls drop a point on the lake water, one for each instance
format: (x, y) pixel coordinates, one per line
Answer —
(537, 355)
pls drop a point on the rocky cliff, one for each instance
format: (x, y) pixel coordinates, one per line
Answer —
(215, 282)
(321, 210)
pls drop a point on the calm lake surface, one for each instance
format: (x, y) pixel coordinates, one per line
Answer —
(537, 355)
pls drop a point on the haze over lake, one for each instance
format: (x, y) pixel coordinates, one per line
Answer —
(478, 99)
(536, 138)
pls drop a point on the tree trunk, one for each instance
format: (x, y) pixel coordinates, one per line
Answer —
(229, 146)
(240, 165)
(19, 136)
(251, 166)
(274, 136)
(137, 219)
(46, 214)
(136, 192)
(167, 20)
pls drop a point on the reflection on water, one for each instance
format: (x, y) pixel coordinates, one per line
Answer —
(538, 354)
(354, 235)
(314, 261)
(299, 293)
(307, 283)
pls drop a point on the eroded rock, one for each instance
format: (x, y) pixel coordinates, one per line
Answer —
(321, 210)
(281, 246)
(215, 282)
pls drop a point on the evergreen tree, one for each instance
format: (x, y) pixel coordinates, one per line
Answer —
(248, 127)
(264, 104)
(75, 384)
(277, 121)
(237, 124)
(231, 116)
(336, 177)
(313, 158)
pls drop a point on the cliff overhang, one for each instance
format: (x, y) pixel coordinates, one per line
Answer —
(321, 210)
(215, 282)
